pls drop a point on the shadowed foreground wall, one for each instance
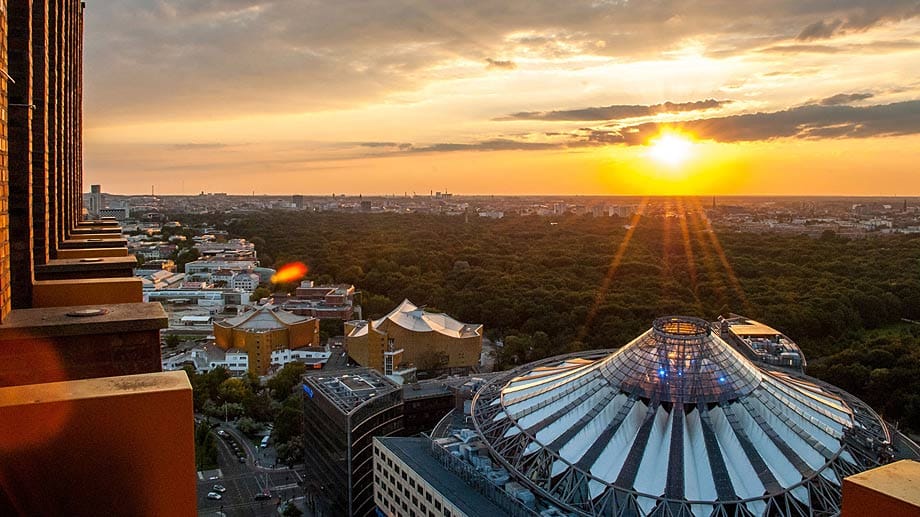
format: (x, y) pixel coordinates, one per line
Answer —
(105, 446)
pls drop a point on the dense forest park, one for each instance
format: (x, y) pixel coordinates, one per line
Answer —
(546, 286)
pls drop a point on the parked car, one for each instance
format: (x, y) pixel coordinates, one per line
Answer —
(219, 488)
(214, 495)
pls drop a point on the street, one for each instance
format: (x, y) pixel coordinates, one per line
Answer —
(243, 481)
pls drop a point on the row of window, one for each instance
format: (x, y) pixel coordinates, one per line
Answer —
(388, 480)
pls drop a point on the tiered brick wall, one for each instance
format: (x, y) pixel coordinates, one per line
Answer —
(40, 131)
(20, 150)
(54, 122)
(5, 288)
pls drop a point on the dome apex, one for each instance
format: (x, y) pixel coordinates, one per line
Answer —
(680, 360)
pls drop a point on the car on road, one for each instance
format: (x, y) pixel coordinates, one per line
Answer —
(219, 488)
(262, 497)
(222, 433)
(242, 459)
(214, 495)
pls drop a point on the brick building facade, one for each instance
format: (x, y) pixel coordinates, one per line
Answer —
(79, 350)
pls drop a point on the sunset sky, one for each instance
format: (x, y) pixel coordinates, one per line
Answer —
(503, 97)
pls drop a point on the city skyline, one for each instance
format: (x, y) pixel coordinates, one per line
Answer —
(770, 99)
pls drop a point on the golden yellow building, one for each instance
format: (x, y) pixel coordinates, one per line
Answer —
(411, 337)
(264, 330)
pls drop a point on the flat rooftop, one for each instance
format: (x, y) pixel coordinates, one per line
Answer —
(349, 389)
(413, 452)
(753, 328)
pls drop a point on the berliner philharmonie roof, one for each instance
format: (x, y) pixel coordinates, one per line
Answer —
(411, 317)
(678, 422)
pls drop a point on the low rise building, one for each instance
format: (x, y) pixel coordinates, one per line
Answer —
(217, 264)
(410, 480)
(245, 281)
(323, 301)
(762, 343)
(209, 356)
(263, 331)
(409, 337)
(215, 299)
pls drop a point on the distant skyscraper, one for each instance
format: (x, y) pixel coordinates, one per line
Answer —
(95, 200)
(297, 200)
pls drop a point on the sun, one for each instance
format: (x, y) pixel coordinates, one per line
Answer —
(670, 149)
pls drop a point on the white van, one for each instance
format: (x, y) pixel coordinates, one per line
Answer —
(265, 442)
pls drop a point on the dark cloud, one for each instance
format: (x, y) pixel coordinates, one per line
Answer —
(175, 59)
(397, 145)
(500, 64)
(845, 98)
(617, 111)
(810, 122)
(498, 144)
(858, 17)
(819, 30)
(856, 48)
(813, 121)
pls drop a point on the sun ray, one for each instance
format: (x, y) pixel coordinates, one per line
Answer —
(723, 258)
(666, 243)
(688, 247)
(611, 271)
(696, 228)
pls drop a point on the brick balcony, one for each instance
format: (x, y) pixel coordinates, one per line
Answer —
(89, 267)
(89, 424)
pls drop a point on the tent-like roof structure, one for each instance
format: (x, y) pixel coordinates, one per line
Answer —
(411, 317)
(265, 318)
(678, 422)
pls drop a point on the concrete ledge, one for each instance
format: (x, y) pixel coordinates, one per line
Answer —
(93, 291)
(109, 231)
(70, 244)
(89, 267)
(92, 253)
(111, 446)
(889, 490)
(64, 343)
(105, 221)
(95, 235)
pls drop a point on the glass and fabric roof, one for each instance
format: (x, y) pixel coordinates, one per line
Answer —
(677, 422)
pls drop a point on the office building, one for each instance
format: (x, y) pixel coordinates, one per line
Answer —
(343, 412)
(95, 200)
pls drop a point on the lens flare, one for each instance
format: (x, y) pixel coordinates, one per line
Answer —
(289, 273)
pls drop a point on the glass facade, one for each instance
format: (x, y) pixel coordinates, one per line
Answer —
(342, 414)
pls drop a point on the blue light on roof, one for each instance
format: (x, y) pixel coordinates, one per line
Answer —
(721, 379)
(661, 372)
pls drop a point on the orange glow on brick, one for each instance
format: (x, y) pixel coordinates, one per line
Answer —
(47, 423)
